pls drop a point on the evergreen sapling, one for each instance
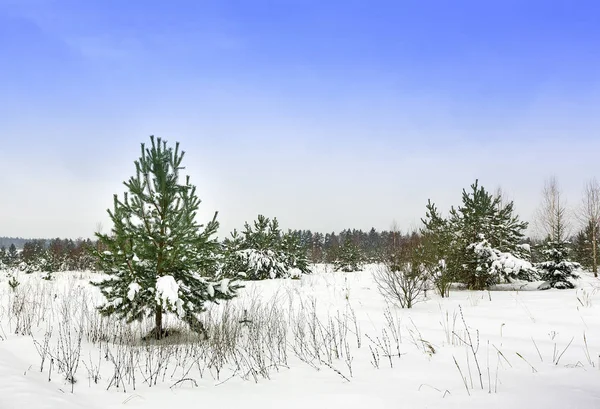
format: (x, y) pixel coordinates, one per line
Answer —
(157, 257)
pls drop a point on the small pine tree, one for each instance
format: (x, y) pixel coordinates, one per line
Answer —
(483, 215)
(231, 264)
(349, 257)
(437, 249)
(157, 257)
(56, 256)
(34, 256)
(331, 247)
(257, 257)
(316, 252)
(3, 258)
(13, 255)
(263, 252)
(456, 243)
(558, 270)
(294, 254)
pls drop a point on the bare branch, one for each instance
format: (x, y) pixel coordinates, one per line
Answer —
(551, 221)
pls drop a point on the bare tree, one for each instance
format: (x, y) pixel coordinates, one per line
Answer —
(395, 230)
(503, 199)
(403, 279)
(551, 219)
(589, 215)
(403, 285)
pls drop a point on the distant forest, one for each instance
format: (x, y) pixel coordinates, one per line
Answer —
(369, 246)
(319, 247)
(67, 254)
(19, 242)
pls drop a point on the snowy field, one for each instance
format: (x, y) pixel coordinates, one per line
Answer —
(328, 340)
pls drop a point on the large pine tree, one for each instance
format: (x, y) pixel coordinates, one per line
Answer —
(157, 257)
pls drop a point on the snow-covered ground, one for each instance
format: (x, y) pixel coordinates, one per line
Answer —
(328, 340)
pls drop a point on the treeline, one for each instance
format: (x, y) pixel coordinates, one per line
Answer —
(18, 242)
(50, 255)
(378, 246)
(67, 254)
(351, 246)
(372, 246)
(263, 243)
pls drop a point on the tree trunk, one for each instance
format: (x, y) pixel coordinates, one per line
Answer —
(158, 322)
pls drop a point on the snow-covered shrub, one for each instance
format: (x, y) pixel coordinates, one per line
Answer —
(261, 264)
(37, 265)
(263, 252)
(253, 264)
(495, 266)
(294, 255)
(558, 270)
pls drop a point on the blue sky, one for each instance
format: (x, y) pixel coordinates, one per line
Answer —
(325, 114)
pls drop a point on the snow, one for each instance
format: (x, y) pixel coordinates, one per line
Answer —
(167, 290)
(224, 286)
(295, 273)
(262, 260)
(22, 387)
(167, 294)
(525, 247)
(134, 288)
(535, 325)
(504, 265)
(116, 302)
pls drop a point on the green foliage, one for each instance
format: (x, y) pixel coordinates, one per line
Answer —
(495, 265)
(231, 263)
(436, 247)
(263, 252)
(583, 246)
(3, 257)
(452, 243)
(294, 253)
(33, 250)
(12, 255)
(53, 256)
(557, 270)
(263, 235)
(349, 257)
(13, 282)
(483, 216)
(156, 241)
